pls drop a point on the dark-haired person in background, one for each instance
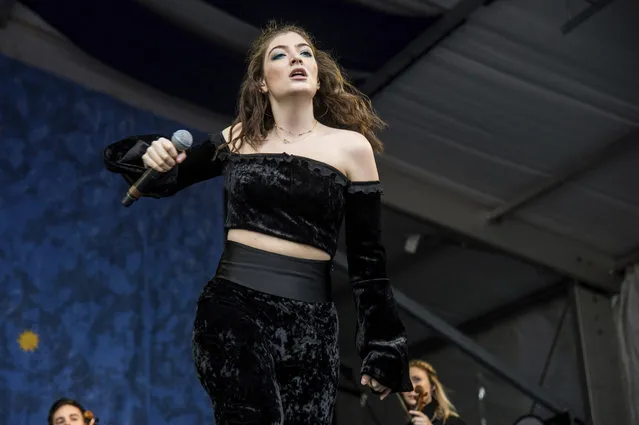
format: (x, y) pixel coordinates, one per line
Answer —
(67, 411)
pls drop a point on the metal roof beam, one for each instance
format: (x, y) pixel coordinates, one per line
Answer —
(628, 259)
(416, 192)
(579, 166)
(595, 7)
(474, 326)
(479, 354)
(447, 23)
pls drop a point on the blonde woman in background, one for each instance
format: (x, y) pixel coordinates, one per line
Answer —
(439, 410)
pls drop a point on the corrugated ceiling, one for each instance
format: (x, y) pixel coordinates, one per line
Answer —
(507, 101)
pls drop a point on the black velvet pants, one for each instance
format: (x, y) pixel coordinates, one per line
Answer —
(266, 359)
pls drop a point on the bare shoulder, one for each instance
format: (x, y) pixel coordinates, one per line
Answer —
(357, 155)
(227, 131)
(354, 143)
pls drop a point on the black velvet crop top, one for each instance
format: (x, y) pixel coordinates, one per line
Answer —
(305, 201)
(290, 197)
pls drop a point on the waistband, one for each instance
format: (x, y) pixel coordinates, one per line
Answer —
(276, 274)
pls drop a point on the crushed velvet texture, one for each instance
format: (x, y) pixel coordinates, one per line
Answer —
(302, 200)
(125, 157)
(286, 196)
(264, 359)
(380, 336)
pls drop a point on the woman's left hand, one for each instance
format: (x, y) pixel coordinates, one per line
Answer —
(377, 388)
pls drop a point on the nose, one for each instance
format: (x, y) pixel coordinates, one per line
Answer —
(296, 59)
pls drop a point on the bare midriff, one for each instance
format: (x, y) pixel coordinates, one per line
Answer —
(276, 245)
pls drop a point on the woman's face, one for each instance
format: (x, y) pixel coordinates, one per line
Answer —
(289, 67)
(68, 415)
(418, 377)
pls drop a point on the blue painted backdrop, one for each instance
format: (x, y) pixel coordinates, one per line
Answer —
(110, 292)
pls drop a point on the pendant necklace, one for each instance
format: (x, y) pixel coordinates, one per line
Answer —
(287, 141)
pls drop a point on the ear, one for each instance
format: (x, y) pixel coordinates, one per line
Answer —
(263, 87)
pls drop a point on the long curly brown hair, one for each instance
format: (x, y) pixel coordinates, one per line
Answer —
(337, 103)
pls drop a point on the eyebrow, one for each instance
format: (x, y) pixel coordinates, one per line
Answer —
(284, 47)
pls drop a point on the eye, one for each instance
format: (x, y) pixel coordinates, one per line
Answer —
(307, 53)
(277, 56)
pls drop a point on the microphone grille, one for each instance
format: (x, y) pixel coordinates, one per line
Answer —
(182, 140)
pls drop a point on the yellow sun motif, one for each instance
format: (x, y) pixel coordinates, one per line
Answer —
(28, 341)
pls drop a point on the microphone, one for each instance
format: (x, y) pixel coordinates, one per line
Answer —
(182, 140)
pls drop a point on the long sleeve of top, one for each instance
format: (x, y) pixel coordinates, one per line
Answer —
(125, 158)
(380, 336)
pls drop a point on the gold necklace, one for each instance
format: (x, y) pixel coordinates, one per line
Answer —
(285, 140)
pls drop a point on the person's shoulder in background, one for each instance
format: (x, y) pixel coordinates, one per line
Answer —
(454, 420)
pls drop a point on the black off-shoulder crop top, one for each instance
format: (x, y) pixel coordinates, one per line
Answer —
(287, 196)
(302, 200)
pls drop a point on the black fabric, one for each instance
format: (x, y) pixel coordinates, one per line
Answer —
(280, 275)
(290, 197)
(266, 360)
(302, 200)
(125, 158)
(429, 410)
(380, 336)
(286, 196)
(452, 420)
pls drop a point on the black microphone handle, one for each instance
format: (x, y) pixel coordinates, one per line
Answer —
(136, 190)
(181, 140)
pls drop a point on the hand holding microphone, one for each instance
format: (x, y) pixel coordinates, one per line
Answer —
(160, 157)
(164, 154)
